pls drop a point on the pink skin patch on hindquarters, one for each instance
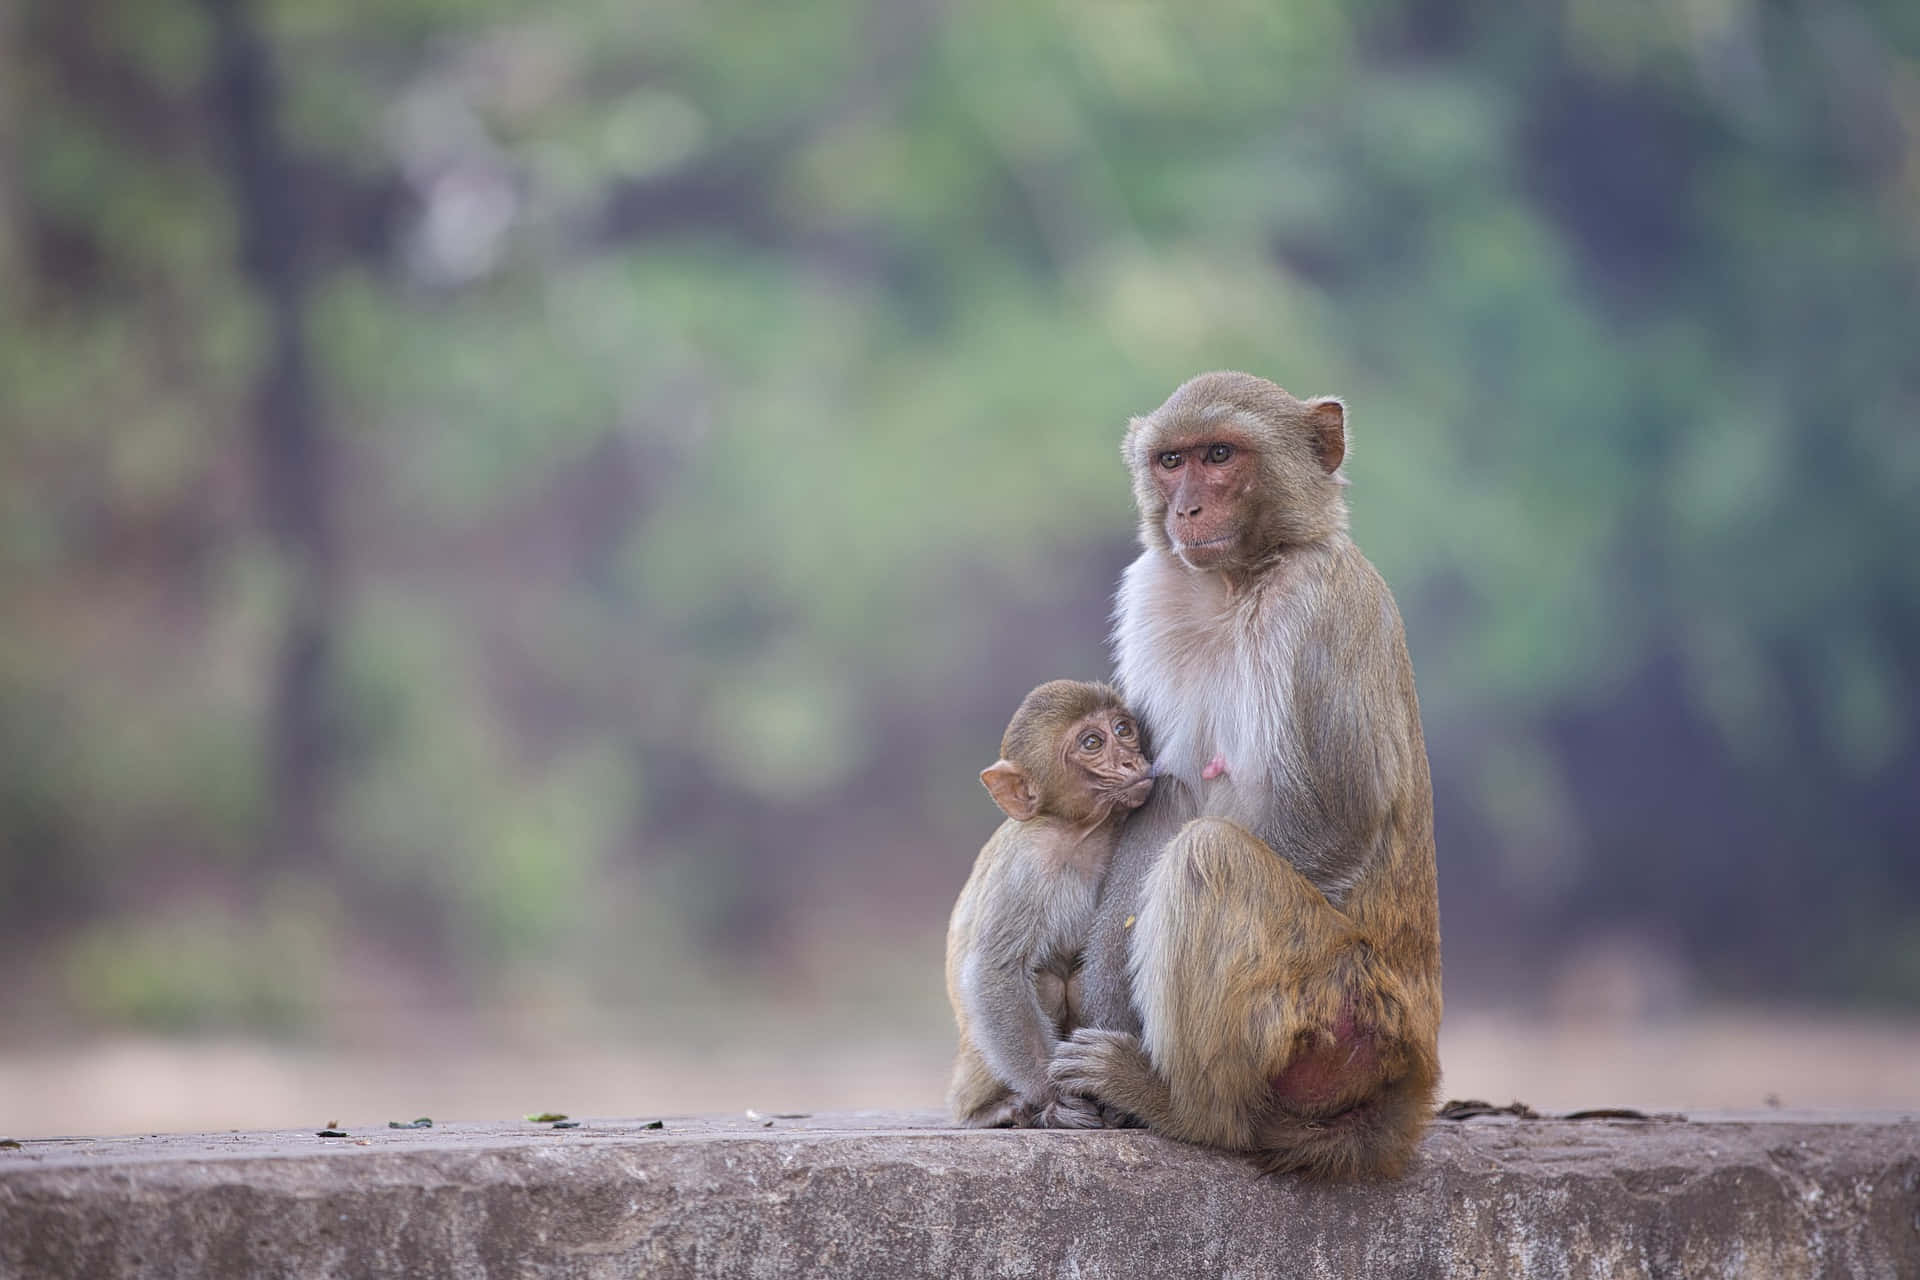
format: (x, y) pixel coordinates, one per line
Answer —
(1317, 1077)
(1216, 768)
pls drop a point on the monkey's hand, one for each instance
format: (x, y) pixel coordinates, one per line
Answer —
(1110, 1066)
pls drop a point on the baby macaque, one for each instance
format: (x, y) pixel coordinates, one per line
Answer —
(1071, 767)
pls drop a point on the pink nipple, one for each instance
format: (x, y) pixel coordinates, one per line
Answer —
(1216, 768)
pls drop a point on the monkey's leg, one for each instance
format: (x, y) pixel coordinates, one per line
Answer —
(1275, 1023)
(1252, 988)
(1224, 938)
(1239, 964)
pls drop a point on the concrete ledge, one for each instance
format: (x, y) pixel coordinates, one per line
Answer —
(869, 1194)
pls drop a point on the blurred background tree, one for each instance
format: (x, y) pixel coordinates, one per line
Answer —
(546, 511)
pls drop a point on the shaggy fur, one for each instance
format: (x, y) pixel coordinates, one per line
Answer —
(1264, 971)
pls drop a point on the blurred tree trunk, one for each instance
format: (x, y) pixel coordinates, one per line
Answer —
(294, 474)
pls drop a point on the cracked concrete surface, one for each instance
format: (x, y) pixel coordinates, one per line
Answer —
(893, 1194)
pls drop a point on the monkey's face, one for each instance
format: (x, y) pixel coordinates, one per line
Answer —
(1204, 481)
(1106, 760)
(1232, 467)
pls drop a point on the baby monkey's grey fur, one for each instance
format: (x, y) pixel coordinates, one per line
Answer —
(1071, 768)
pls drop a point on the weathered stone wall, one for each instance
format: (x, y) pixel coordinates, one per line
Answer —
(893, 1195)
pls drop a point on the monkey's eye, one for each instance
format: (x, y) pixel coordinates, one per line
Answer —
(1170, 459)
(1218, 453)
(1123, 730)
(1091, 741)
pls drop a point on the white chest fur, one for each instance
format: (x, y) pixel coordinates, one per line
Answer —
(1209, 672)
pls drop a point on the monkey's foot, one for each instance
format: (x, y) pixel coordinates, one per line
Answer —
(1111, 1067)
(1068, 1112)
(1093, 1060)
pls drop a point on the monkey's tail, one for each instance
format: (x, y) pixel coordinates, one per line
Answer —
(1371, 1139)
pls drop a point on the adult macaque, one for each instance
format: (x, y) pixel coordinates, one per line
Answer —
(1071, 767)
(1264, 970)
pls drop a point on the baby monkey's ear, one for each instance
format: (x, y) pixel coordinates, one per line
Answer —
(1011, 789)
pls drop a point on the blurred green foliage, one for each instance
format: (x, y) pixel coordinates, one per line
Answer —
(722, 403)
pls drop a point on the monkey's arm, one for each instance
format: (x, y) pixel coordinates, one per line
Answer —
(1358, 733)
(1010, 1029)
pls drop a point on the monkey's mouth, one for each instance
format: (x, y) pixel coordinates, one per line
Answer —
(1135, 794)
(1207, 548)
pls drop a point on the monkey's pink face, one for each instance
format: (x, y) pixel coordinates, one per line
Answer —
(1205, 481)
(1104, 750)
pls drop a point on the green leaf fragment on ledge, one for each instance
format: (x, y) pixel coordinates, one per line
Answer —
(546, 1117)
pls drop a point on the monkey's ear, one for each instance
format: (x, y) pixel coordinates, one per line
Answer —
(1327, 421)
(1007, 783)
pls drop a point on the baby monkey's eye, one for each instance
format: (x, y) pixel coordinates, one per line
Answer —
(1091, 742)
(1124, 729)
(1218, 453)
